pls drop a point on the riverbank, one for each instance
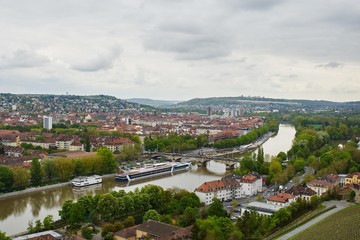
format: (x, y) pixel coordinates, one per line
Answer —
(42, 188)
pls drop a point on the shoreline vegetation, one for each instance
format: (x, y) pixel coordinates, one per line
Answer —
(40, 188)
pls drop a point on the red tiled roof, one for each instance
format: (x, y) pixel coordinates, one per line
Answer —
(248, 179)
(320, 183)
(216, 185)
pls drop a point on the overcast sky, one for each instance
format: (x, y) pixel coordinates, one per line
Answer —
(182, 49)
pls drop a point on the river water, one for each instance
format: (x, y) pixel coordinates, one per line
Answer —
(17, 211)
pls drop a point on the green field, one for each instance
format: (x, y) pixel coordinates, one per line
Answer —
(341, 225)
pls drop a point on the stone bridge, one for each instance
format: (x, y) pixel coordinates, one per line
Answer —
(200, 160)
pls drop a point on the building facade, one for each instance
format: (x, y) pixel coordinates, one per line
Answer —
(47, 122)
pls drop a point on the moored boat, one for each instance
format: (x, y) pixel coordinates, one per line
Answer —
(86, 181)
(150, 171)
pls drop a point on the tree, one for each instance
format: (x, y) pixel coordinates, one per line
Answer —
(36, 173)
(151, 215)
(87, 232)
(6, 178)
(49, 169)
(3, 236)
(87, 144)
(129, 221)
(21, 177)
(189, 216)
(130, 152)
(48, 222)
(351, 196)
(217, 209)
(107, 206)
(109, 165)
(76, 215)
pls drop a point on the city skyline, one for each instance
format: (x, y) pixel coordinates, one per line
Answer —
(180, 50)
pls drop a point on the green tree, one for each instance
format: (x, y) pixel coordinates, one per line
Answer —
(217, 209)
(87, 232)
(76, 215)
(7, 178)
(87, 144)
(189, 216)
(109, 165)
(65, 168)
(351, 196)
(64, 212)
(36, 174)
(212, 228)
(38, 226)
(48, 222)
(130, 152)
(107, 206)
(151, 215)
(3, 236)
(49, 169)
(129, 221)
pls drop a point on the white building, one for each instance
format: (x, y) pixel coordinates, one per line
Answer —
(260, 207)
(251, 185)
(47, 122)
(224, 190)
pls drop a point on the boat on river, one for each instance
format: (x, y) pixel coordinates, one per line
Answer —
(86, 181)
(150, 170)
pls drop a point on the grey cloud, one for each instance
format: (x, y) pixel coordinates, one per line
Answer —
(188, 46)
(101, 61)
(23, 58)
(258, 5)
(330, 65)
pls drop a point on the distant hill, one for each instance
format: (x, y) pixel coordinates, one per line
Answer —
(265, 103)
(49, 103)
(152, 102)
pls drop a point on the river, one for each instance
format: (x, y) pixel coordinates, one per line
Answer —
(17, 211)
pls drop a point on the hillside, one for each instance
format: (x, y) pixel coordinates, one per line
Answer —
(341, 225)
(47, 103)
(152, 102)
(267, 103)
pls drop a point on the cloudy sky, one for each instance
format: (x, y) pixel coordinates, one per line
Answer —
(182, 49)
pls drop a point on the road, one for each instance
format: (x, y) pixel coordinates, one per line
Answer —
(339, 205)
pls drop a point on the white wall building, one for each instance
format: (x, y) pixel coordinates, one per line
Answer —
(47, 122)
(224, 190)
(251, 185)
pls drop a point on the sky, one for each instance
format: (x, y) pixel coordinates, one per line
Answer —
(182, 49)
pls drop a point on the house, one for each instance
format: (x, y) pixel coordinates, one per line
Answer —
(322, 185)
(300, 191)
(319, 186)
(224, 190)
(64, 142)
(251, 184)
(154, 230)
(126, 234)
(281, 199)
(352, 178)
(46, 235)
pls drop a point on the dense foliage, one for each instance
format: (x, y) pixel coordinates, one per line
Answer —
(248, 138)
(251, 225)
(59, 169)
(151, 202)
(175, 143)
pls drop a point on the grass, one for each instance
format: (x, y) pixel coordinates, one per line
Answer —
(298, 222)
(340, 225)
